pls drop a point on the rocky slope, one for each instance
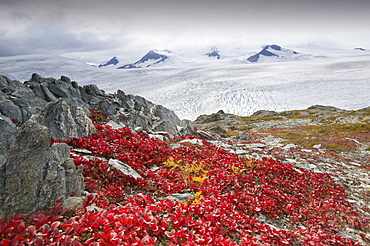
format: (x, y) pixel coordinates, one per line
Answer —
(290, 178)
(321, 139)
(34, 174)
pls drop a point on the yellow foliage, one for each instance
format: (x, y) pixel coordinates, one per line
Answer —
(200, 179)
(188, 169)
(237, 170)
(171, 163)
(249, 164)
(252, 164)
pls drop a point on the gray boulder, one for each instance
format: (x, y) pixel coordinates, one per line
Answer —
(123, 168)
(7, 137)
(63, 124)
(36, 175)
(142, 113)
(264, 113)
(17, 101)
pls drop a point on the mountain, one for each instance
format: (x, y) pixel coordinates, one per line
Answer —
(271, 53)
(191, 84)
(151, 58)
(213, 53)
(114, 61)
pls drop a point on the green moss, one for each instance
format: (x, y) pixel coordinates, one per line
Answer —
(336, 137)
(231, 133)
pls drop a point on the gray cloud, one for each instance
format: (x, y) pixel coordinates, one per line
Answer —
(70, 25)
(48, 39)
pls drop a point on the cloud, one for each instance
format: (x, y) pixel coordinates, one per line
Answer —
(54, 39)
(84, 25)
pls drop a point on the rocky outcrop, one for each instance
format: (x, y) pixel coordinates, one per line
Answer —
(7, 137)
(17, 101)
(64, 124)
(20, 101)
(35, 174)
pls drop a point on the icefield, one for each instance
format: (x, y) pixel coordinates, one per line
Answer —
(194, 84)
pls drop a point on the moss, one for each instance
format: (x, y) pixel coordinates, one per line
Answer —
(335, 137)
(244, 127)
(231, 133)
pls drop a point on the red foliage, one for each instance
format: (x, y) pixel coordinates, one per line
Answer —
(235, 193)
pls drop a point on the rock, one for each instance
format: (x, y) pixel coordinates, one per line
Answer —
(323, 108)
(289, 146)
(17, 101)
(218, 129)
(65, 79)
(7, 137)
(155, 168)
(264, 113)
(220, 115)
(115, 125)
(10, 110)
(318, 146)
(160, 137)
(180, 197)
(37, 78)
(72, 203)
(63, 125)
(206, 135)
(7, 85)
(124, 168)
(194, 141)
(36, 175)
(92, 90)
(20, 101)
(245, 136)
(253, 145)
(74, 183)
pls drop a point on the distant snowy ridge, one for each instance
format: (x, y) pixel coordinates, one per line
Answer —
(151, 58)
(114, 61)
(214, 53)
(192, 84)
(274, 53)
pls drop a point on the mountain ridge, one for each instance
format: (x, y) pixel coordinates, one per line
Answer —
(150, 59)
(273, 51)
(113, 61)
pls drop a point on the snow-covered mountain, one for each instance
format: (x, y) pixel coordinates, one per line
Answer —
(214, 53)
(192, 84)
(151, 58)
(274, 53)
(112, 62)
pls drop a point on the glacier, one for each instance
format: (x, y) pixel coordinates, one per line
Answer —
(193, 84)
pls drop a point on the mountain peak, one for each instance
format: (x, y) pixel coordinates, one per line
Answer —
(273, 53)
(114, 61)
(149, 59)
(214, 53)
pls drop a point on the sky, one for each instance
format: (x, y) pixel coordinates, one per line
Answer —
(93, 28)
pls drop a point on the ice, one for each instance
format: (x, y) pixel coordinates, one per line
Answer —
(194, 84)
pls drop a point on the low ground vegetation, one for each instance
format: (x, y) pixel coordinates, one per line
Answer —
(234, 199)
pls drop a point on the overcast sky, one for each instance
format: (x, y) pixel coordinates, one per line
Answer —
(104, 26)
